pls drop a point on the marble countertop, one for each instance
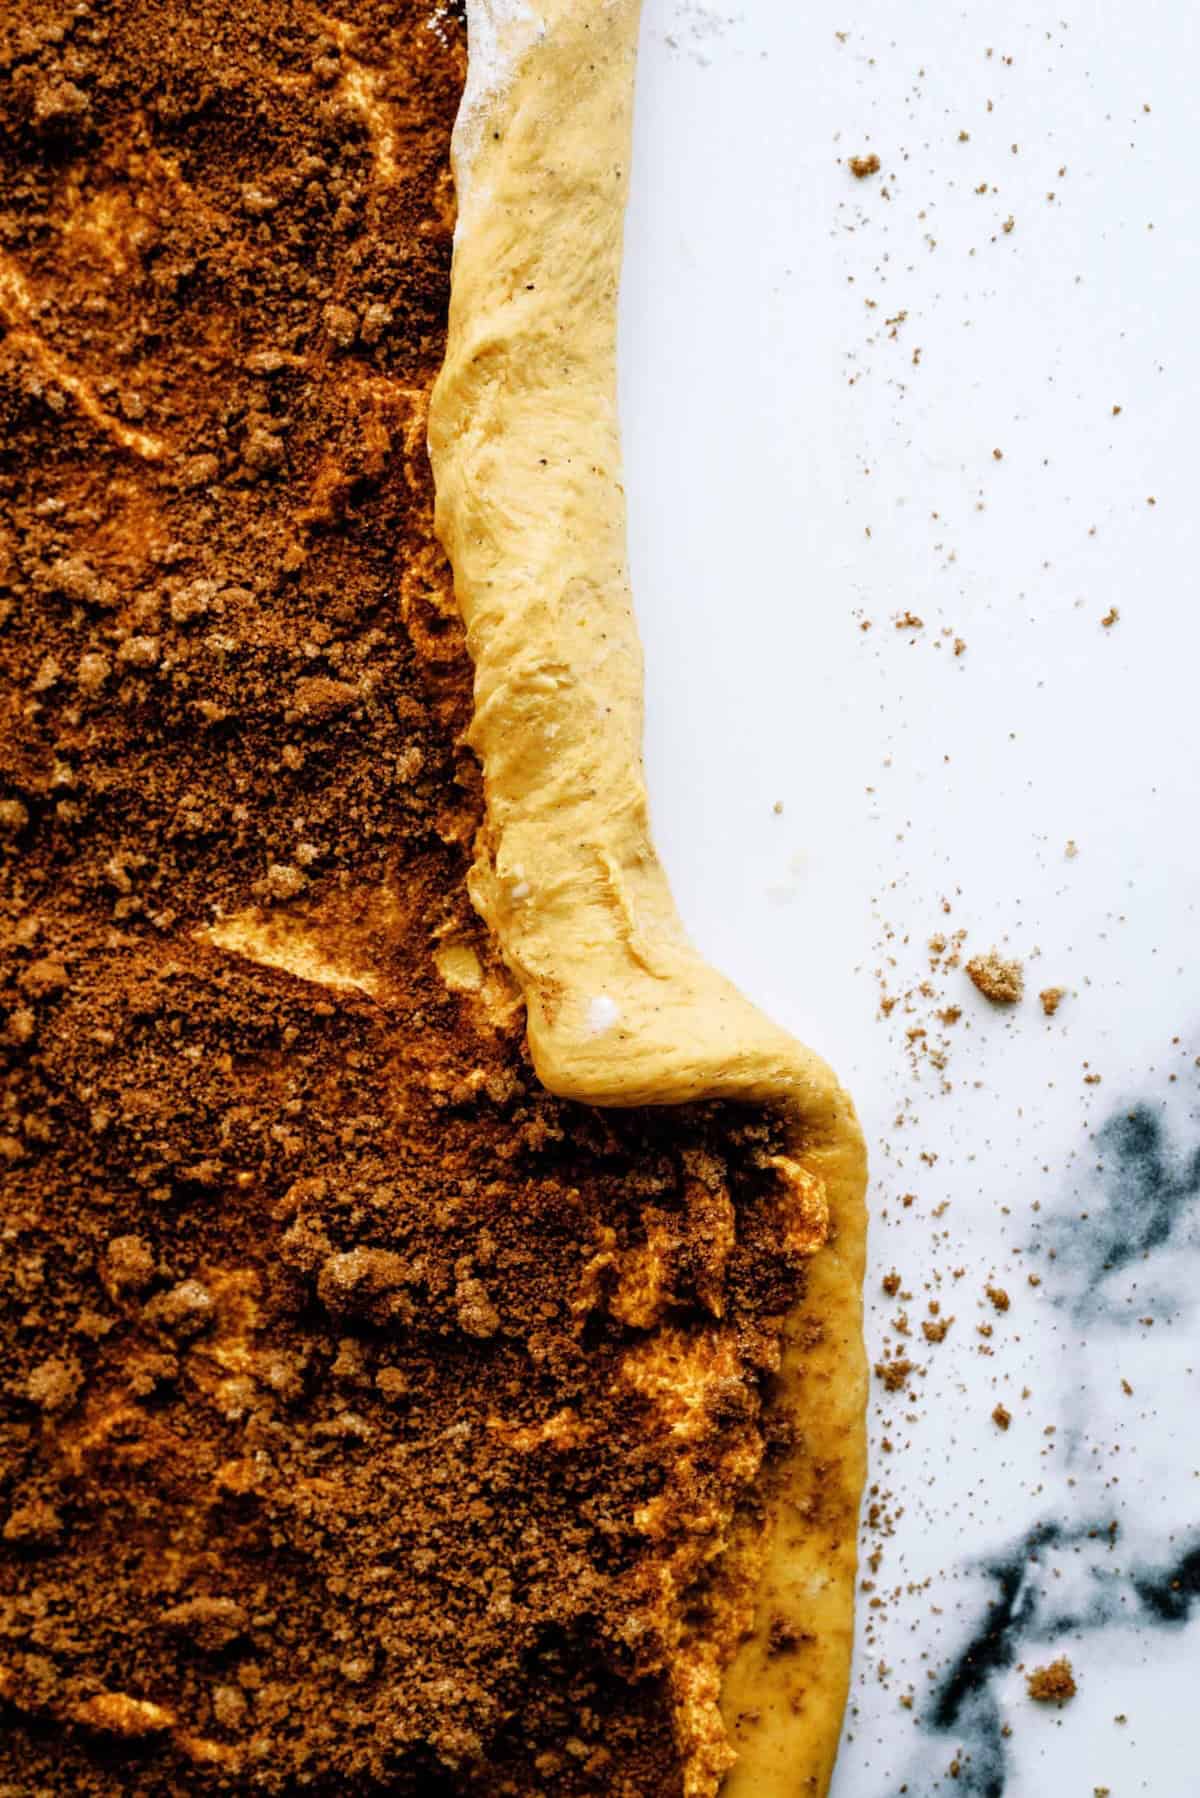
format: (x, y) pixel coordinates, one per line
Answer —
(866, 422)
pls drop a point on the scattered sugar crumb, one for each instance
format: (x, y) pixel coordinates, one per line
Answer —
(894, 1374)
(1003, 982)
(1053, 1684)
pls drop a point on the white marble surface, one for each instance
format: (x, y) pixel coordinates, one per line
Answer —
(795, 469)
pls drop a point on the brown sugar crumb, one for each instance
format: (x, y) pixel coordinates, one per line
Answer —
(1000, 981)
(1001, 1417)
(1054, 1684)
(862, 166)
(1051, 998)
(891, 1283)
(783, 1637)
(908, 621)
(1110, 618)
(894, 1374)
(998, 1296)
(935, 1329)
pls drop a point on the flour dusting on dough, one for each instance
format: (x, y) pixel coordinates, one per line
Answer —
(603, 1013)
(498, 32)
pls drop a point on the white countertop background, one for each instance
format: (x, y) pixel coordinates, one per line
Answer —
(792, 472)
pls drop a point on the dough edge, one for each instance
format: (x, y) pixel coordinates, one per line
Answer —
(621, 1010)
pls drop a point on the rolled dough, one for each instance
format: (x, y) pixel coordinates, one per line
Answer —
(621, 1008)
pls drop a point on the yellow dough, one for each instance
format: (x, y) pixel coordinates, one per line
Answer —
(621, 1008)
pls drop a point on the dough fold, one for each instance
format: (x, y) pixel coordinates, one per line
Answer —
(621, 1008)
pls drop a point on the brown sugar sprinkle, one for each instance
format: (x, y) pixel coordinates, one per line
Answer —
(894, 1374)
(1051, 998)
(1001, 1417)
(319, 1471)
(1053, 1684)
(935, 1329)
(891, 1283)
(908, 621)
(1110, 618)
(927, 1049)
(998, 1296)
(1000, 981)
(862, 166)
